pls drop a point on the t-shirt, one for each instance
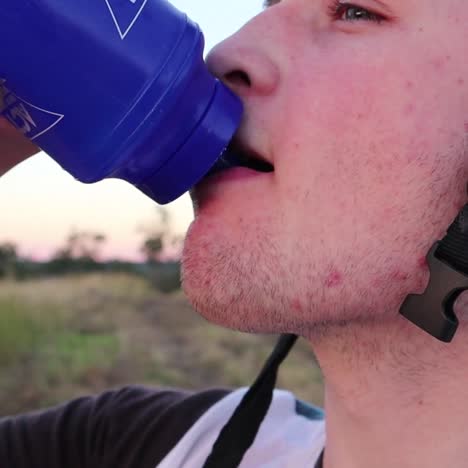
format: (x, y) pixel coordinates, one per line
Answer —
(140, 427)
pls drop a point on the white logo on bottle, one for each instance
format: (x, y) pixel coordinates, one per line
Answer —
(125, 14)
(29, 119)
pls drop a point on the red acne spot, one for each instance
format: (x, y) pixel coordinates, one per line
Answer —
(296, 305)
(438, 63)
(466, 127)
(409, 108)
(334, 279)
(422, 263)
(399, 276)
(409, 84)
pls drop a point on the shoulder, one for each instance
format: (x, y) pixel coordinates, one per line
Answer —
(155, 403)
(141, 427)
(292, 434)
(127, 427)
(146, 423)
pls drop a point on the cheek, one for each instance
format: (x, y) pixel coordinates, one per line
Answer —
(365, 126)
(364, 154)
(336, 132)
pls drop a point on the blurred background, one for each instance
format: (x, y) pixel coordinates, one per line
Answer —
(89, 284)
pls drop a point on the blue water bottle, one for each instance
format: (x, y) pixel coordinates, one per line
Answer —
(115, 88)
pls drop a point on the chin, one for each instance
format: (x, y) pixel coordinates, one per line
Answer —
(230, 285)
(245, 283)
(211, 283)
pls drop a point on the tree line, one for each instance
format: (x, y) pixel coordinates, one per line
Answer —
(81, 252)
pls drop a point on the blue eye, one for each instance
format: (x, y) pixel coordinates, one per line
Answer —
(349, 12)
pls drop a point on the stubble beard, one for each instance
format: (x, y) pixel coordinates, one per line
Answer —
(251, 286)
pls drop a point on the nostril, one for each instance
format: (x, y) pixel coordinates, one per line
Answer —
(238, 78)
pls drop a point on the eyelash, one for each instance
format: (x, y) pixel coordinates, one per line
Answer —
(338, 8)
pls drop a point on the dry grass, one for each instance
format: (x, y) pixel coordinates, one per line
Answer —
(65, 337)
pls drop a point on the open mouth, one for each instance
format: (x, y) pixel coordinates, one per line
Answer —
(254, 162)
(239, 156)
(235, 156)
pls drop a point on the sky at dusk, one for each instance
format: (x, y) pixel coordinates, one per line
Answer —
(41, 204)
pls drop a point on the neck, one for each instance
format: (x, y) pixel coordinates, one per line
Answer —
(394, 396)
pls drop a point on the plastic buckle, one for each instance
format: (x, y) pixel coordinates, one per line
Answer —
(433, 311)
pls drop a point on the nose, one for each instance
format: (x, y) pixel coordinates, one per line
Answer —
(244, 65)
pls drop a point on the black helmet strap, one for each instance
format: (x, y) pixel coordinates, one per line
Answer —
(433, 311)
(240, 431)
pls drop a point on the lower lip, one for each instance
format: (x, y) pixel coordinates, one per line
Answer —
(210, 186)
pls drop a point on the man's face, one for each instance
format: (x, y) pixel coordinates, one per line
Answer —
(363, 110)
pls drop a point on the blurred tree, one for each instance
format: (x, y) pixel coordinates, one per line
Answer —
(81, 252)
(8, 260)
(83, 244)
(159, 246)
(152, 248)
(160, 242)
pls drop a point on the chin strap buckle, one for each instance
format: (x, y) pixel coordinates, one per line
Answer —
(433, 311)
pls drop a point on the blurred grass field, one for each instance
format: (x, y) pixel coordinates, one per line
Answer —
(65, 337)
